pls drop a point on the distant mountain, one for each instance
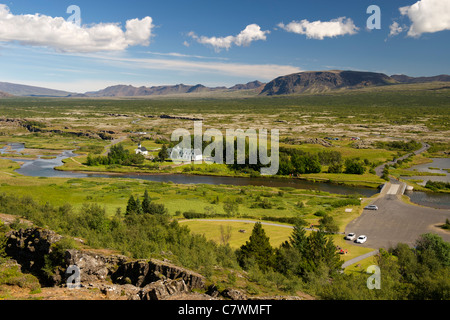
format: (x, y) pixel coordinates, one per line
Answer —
(324, 81)
(250, 85)
(131, 91)
(303, 82)
(406, 79)
(5, 95)
(24, 90)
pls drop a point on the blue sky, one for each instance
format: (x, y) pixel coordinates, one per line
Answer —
(216, 43)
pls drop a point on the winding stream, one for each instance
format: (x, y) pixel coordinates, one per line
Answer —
(45, 168)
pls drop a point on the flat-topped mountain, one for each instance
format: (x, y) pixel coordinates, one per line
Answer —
(323, 81)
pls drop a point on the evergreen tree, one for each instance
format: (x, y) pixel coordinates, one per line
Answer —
(298, 239)
(146, 203)
(258, 248)
(138, 206)
(131, 206)
(322, 251)
(163, 154)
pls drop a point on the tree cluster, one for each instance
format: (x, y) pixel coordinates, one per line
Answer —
(117, 155)
(147, 206)
(299, 256)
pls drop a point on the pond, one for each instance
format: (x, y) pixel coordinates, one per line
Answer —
(437, 166)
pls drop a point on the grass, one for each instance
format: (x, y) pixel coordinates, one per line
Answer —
(211, 230)
(10, 275)
(114, 193)
(277, 234)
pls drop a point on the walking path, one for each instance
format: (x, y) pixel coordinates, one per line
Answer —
(357, 259)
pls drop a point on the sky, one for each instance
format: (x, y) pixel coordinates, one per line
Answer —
(99, 43)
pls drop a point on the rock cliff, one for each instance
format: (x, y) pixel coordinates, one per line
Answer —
(114, 275)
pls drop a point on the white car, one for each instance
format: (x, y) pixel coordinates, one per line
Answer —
(351, 236)
(361, 239)
(371, 207)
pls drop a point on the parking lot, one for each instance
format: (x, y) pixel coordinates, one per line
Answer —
(396, 221)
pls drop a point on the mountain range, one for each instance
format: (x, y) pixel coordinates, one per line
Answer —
(297, 83)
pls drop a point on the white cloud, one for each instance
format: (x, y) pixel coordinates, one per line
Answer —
(257, 71)
(320, 30)
(427, 16)
(182, 55)
(395, 29)
(251, 33)
(59, 34)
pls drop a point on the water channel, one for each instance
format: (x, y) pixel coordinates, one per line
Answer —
(45, 168)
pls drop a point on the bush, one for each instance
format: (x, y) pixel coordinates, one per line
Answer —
(354, 166)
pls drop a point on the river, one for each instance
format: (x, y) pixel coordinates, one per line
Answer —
(45, 168)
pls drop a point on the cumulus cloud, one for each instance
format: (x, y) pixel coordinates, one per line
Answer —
(59, 34)
(395, 29)
(320, 30)
(427, 16)
(251, 33)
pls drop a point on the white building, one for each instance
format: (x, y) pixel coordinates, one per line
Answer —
(185, 155)
(141, 150)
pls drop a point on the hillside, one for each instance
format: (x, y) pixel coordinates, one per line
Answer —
(131, 91)
(5, 95)
(248, 86)
(406, 79)
(25, 90)
(324, 81)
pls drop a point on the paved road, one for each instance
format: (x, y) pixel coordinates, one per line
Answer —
(247, 221)
(357, 259)
(379, 169)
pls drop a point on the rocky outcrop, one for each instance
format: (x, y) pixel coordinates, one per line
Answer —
(143, 272)
(30, 246)
(114, 275)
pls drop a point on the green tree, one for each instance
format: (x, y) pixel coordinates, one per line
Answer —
(328, 224)
(163, 154)
(336, 167)
(258, 248)
(432, 244)
(231, 207)
(138, 206)
(298, 239)
(131, 205)
(94, 217)
(146, 202)
(322, 251)
(354, 166)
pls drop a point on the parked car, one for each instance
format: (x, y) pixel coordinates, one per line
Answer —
(351, 236)
(361, 239)
(371, 207)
